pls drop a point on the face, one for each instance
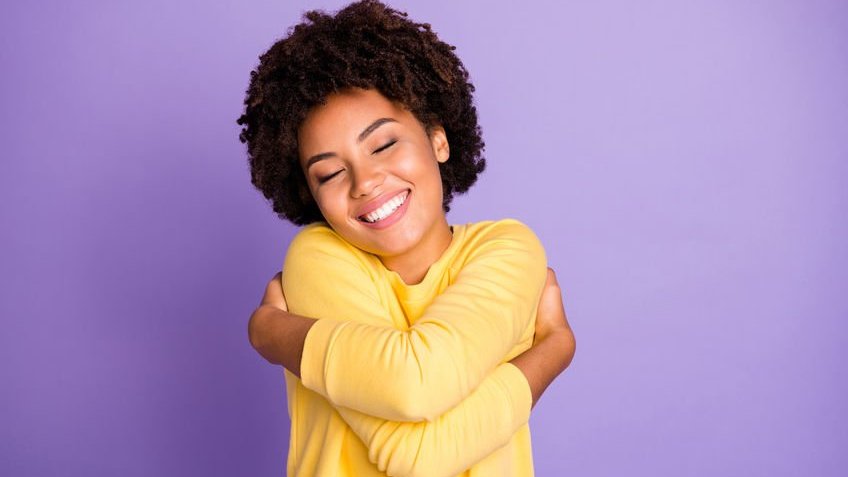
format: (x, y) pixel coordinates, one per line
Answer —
(373, 170)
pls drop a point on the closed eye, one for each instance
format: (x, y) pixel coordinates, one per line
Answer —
(324, 179)
(385, 146)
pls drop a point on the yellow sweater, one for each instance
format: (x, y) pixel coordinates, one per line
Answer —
(413, 380)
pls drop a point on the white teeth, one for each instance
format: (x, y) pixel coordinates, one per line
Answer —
(386, 209)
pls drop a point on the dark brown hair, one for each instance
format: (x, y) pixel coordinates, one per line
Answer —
(365, 45)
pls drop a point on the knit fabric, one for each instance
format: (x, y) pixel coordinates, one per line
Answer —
(414, 380)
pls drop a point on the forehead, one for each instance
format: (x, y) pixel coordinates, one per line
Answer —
(342, 118)
(349, 109)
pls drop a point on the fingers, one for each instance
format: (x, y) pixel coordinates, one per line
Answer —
(551, 293)
(550, 314)
(551, 280)
(276, 283)
(274, 292)
(550, 290)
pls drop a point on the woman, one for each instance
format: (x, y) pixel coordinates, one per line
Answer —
(407, 341)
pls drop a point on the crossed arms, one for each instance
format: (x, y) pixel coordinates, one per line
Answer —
(437, 381)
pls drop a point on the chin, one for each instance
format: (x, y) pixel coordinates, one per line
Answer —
(396, 240)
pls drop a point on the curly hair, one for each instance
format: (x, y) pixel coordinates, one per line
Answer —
(365, 45)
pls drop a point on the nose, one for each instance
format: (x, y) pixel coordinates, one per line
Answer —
(366, 176)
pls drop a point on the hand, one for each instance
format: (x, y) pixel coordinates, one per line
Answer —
(550, 317)
(553, 344)
(267, 312)
(274, 295)
(276, 334)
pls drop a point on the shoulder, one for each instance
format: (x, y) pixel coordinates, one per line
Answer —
(504, 231)
(318, 243)
(502, 240)
(504, 252)
(507, 227)
(322, 271)
(316, 234)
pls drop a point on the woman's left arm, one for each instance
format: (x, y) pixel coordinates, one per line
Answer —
(485, 420)
(482, 423)
(355, 358)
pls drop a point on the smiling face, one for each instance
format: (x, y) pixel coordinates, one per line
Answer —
(373, 170)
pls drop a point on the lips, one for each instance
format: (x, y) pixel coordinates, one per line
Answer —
(378, 202)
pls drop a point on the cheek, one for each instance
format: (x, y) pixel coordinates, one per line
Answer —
(431, 175)
(330, 205)
(419, 169)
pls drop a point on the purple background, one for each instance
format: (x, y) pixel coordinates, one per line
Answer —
(684, 163)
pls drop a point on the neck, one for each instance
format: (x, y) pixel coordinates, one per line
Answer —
(412, 266)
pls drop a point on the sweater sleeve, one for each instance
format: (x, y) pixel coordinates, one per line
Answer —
(357, 359)
(482, 423)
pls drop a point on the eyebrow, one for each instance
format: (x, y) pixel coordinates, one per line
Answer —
(364, 134)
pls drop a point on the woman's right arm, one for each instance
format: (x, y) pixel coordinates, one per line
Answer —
(553, 344)
(355, 349)
(278, 335)
(484, 421)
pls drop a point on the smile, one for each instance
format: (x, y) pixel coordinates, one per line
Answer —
(385, 210)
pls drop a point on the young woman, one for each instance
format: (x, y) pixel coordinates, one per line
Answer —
(412, 347)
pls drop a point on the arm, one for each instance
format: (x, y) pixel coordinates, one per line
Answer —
(425, 370)
(553, 344)
(278, 335)
(482, 422)
(486, 419)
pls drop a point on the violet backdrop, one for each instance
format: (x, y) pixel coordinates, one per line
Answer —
(684, 163)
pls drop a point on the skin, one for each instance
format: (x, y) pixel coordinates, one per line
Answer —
(359, 148)
(278, 335)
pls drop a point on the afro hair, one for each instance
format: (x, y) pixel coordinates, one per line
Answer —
(365, 45)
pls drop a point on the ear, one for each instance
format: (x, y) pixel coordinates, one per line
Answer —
(439, 141)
